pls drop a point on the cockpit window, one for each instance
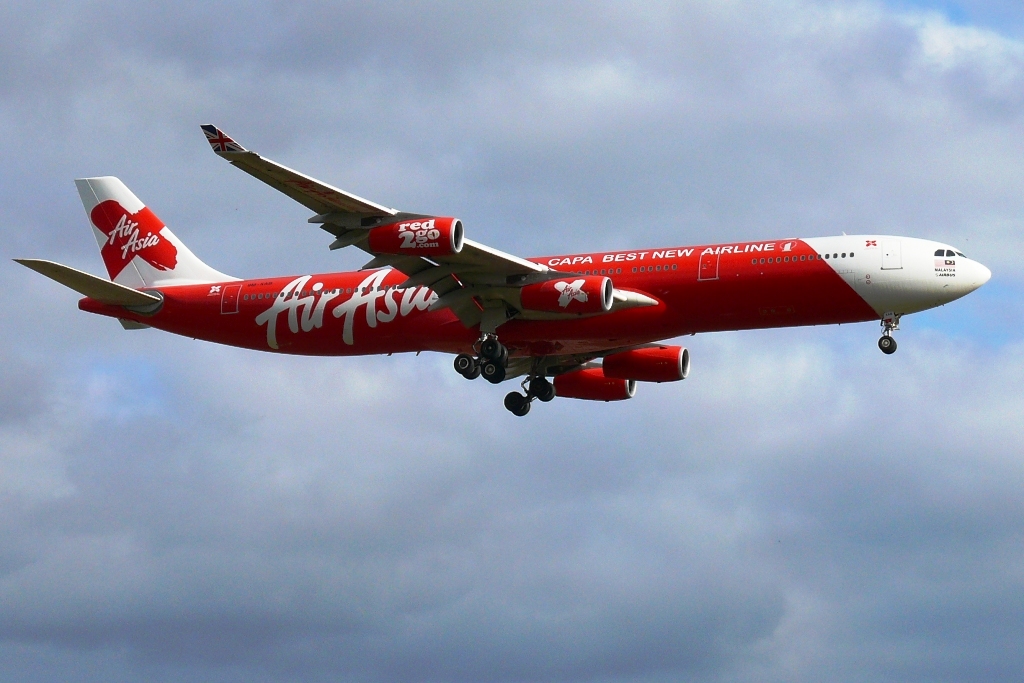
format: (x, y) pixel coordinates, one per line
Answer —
(940, 252)
(949, 252)
(960, 255)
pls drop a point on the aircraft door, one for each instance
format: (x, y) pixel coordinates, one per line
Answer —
(708, 268)
(229, 299)
(892, 256)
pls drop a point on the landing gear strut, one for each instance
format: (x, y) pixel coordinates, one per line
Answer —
(490, 363)
(887, 343)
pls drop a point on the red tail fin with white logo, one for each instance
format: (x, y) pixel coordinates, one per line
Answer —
(137, 248)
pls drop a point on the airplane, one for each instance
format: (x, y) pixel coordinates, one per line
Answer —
(594, 323)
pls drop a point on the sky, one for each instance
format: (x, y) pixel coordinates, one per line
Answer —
(801, 508)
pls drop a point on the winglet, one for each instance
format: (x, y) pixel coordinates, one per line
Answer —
(219, 141)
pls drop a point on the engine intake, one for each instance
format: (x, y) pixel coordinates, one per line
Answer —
(436, 236)
(592, 385)
(656, 364)
(581, 295)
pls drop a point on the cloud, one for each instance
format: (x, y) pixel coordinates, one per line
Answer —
(800, 506)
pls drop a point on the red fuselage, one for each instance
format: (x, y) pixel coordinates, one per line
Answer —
(698, 289)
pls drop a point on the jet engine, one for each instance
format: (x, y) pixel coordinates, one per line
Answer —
(656, 364)
(592, 385)
(572, 294)
(422, 237)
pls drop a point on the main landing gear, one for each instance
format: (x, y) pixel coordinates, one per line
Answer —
(887, 343)
(533, 387)
(491, 362)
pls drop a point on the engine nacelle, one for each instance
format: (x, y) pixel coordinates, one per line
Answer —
(573, 294)
(657, 364)
(421, 237)
(592, 385)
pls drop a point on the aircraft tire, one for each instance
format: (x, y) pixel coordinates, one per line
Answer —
(887, 344)
(517, 404)
(474, 372)
(464, 364)
(542, 389)
(492, 372)
(492, 349)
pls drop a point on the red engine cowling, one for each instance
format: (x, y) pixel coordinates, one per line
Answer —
(592, 385)
(423, 237)
(581, 295)
(657, 364)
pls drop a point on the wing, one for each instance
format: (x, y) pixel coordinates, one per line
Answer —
(479, 284)
(309, 192)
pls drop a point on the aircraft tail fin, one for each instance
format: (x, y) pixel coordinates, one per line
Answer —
(137, 248)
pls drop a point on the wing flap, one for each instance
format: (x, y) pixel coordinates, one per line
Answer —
(94, 287)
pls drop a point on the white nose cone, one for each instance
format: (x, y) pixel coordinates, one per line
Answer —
(978, 275)
(984, 276)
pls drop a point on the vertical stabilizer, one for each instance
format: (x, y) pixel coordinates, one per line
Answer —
(137, 248)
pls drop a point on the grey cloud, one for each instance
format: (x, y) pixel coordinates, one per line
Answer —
(799, 507)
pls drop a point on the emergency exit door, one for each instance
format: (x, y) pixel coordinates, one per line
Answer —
(229, 299)
(892, 257)
(708, 268)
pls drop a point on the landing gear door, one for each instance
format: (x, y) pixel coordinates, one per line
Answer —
(708, 269)
(892, 257)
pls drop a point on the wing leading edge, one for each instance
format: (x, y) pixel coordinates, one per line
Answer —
(479, 284)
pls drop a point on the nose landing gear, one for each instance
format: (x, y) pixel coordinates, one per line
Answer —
(890, 322)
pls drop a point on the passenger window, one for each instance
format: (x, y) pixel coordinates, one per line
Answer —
(851, 254)
(762, 260)
(844, 254)
(658, 268)
(674, 266)
(826, 255)
(753, 260)
(634, 269)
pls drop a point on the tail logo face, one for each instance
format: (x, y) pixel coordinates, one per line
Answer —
(130, 235)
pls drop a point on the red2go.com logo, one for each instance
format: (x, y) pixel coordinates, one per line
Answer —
(419, 235)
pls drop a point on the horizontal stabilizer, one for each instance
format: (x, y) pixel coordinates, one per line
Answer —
(96, 288)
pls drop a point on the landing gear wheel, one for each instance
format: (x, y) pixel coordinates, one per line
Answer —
(464, 364)
(887, 344)
(492, 372)
(542, 389)
(517, 404)
(474, 372)
(492, 349)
